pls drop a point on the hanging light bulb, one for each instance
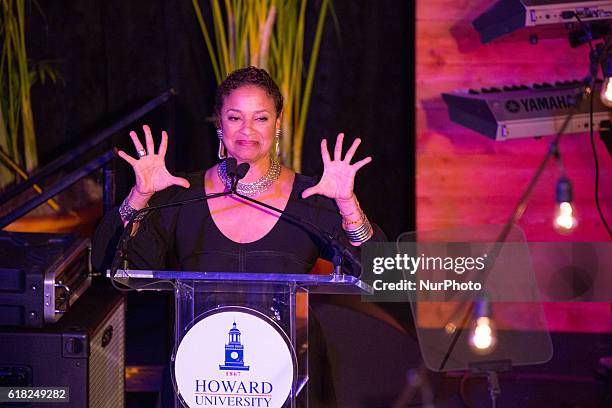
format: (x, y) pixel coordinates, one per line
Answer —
(565, 215)
(606, 88)
(606, 92)
(483, 334)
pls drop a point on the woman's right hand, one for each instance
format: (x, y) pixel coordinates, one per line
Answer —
(150, 169)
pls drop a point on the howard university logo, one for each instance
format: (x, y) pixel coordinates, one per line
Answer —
(234, 352)
(207, 378)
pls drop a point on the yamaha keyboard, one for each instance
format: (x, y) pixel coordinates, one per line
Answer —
(520, 111)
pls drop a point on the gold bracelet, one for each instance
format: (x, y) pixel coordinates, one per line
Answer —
(360, 221)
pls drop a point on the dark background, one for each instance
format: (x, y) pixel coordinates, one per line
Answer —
(115, 55)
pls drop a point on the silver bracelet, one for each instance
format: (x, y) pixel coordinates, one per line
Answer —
(362, 233)
(127, 212)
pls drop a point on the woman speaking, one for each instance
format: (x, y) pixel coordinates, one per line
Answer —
(229, 234)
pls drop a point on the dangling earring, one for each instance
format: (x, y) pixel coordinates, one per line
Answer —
(277, 137)
(221, 153)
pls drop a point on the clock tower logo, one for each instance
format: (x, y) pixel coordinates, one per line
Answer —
(234, 352)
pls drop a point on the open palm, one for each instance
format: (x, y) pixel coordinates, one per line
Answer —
(338, 177)
(150, 168)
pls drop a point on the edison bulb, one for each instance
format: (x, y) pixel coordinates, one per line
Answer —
(606, 92)
(565, 217)
(483, 336)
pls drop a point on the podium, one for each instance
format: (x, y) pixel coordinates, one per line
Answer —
(240, 338)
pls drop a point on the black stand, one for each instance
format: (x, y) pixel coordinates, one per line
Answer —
(491, 370)
(605, 134)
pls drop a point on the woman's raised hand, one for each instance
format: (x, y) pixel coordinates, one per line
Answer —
(150, 168)
(338, 174)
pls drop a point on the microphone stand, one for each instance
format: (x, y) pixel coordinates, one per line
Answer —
(235, 173)
(340, 251)
(120, 259)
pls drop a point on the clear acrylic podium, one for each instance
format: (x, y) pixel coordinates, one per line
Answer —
(283, 298)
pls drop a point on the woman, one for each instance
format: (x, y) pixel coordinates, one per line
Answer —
(248, 109)
(229, 234)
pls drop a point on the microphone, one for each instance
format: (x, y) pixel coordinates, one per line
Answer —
(237, 173)
(230, 170)
(242, 170)
(230, 167)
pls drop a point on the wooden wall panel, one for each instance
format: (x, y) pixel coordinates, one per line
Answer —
(466, 179)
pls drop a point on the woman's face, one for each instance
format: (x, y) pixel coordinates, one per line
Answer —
(249, 122)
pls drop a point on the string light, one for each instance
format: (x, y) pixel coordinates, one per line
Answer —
(565, 214)
(483, 333)
(606, 88)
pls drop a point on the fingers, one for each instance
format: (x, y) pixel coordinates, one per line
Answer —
(163, 146)
(361, 163)
(338, 147)
(310, 191)
(149, 140)
(132, 161)
(352, 150)
(150, 150)
(136, 141)
(325, 152)
(179, 181)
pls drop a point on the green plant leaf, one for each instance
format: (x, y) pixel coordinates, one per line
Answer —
(269, 34)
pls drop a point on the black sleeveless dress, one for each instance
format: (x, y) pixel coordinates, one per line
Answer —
(187, 238)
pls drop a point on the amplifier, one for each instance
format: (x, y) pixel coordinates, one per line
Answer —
(41, 276)
(84, 351)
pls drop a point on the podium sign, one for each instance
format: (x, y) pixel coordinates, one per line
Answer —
(241, 339)
(234, 356)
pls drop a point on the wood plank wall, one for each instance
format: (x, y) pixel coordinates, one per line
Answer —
(466, 179)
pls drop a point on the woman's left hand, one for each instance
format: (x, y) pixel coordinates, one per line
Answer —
(338, 174)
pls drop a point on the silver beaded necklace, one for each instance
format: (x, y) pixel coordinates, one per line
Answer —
(255, 188)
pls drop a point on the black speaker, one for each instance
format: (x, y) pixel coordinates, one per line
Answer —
(84, 351)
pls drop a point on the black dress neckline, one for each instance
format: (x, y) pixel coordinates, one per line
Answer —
(281, 218)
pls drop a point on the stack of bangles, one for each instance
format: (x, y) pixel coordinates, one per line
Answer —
(358, 231)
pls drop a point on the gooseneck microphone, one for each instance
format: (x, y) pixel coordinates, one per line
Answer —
(120, 258)
(239, 172)
(242, 170)
(230, 170)
(236, 173)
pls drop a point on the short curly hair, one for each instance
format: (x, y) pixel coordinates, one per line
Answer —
(248, 76)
